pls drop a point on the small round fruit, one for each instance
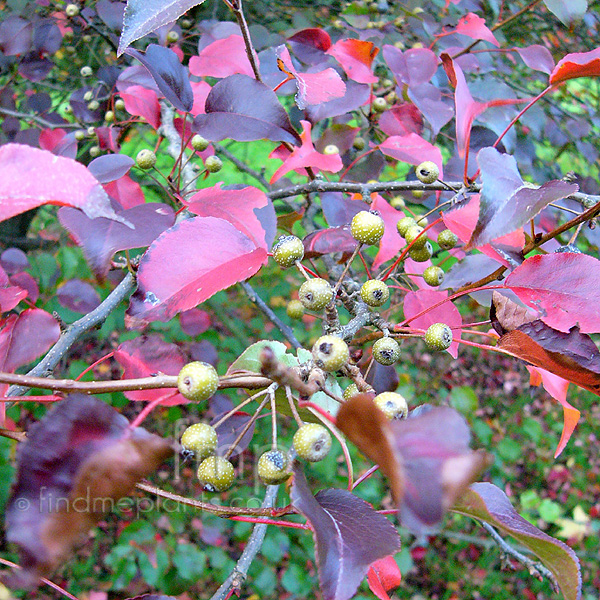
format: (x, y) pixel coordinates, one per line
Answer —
(109, 116)
(438, 336)
(86, 38)
(433, 276)
(394, 405)
(315, 294)
(287, 250)
(413, 236)
(405, 224)
(421, 254)
(272, 467)
(216, 474)
(197, 381)
(386, 351)
(359, 143)
(350, 391)
(199, 143)
(447, 239)
(93, 105)
(72, 10)
(391, 98)
(367, 227)
(418, 193)
(186, 23)
(422, 221)
(312, 442)
(200, 440)
(80, 135)
(213, 164)
(88, 96)
(380, 105)
(86, 71)
(374, 292)
(331, 149)
(145, 159)
(172, 37)
(94, 151)
(91, 131)
(330, 353)
(295, 309)
(398, 202)
(119, 104)
(427, 172)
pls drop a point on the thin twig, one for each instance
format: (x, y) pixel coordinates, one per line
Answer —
(39, 120)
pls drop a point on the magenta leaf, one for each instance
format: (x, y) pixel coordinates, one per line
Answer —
(412, 149)
(248, 209)
(356, 58)
(487, 503)
(349, 536)
(222, 58)
(413, 67)
(145, 16)
(327, 241)
(416, 302)
(78, 296)
(507, 203)
(110, 167)
(244, 109)
(401, 120)
(127, 192)
(76, 463)
(148, 355)
(100, 238)
(474, 27)
(30, 177)
(194, 322)
(199, 271)
(169, 74)
(356, 95)
(537, 57)
(565, 286)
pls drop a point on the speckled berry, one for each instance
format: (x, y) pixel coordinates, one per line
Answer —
(386, 351)
(374, 292)
(216, 474)
(287, 250)
(330, 353)
(199, 143)
(199, 440)
(350, 391)
(433, 276)
(272, 467)
(393, 405)
(295, 309)
(447, 239)
(213, 164)
(380, 105)
(312, 442)
(315, 294)
(145, 159)
(405, 224)
(438, 337)
(331, 149)
(367, 227)
(72, 10)
(427, 172)
(398, 202)
(413, 236)
(197, 381)
(421, 254)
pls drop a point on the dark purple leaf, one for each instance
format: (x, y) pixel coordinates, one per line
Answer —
(100, 238)
(383, 378)
(111, 13)
(428, 99)
(78, 296)
(327, 241)
(413, 67)
(244, 109)
(507, 203)
(356, 95)
(40, 102)
(136, 75)
(47, 38)
(80, 106)
(367, 168)
(219, 404)
(15, 35)
(204, 351)
(349, 536)
(537, 57)
(76, 463)
(339, 210)
(35, 67)
(170, 75)
(14, 260)
(472, 267)
(229, 431)
(194, 322)
(26, 282)
(485, 502)
(110, 167)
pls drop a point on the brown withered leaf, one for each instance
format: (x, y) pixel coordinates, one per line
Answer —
(572, 356)
(426, 458)
(507, 315)
(77, 462)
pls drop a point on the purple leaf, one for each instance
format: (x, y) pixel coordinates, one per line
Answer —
(339, 210)
(507, 203)
(244, 109)
(413, 67)
(194, 322)
(568, 12)
(26, 282)
(327, 241)
(487, 503)
(537, 57)
(110, 167)
(15, 35)
(35, 67)
(402, 119)
(229, 431)
(145, 16)
(349, 535)
(428, 99)
(76, 463)
(356, 95)
(204, 351)
(47, 37)
(200, 271)
(100, 238)
(170, 75)
(111, 13)
(14, 260)
(78, 296)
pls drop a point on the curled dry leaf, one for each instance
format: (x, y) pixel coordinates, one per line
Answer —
(507, 315)
(76, 464)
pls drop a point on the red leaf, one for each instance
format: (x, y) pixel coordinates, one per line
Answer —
(579, 64)
(306, 156)
(241, 208)
(412, 149)
(415, 302)
(310, 40)
(50, 138)
(356, 58)
(224, 57)
(200, 89)
(402, 119)
(30, 177)
(145, 356)
(127, 192)
(142, 102)
(199, 270)
(391, 243)
(10, 295)
(313, 88)
(565, 285)
(474, 27)
(326, 241)
(384, 575)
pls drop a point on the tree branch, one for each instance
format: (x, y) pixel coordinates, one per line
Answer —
(39, 120)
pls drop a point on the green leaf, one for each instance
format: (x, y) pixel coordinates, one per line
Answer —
(249, 359)
(464, 400)
(190, 561)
